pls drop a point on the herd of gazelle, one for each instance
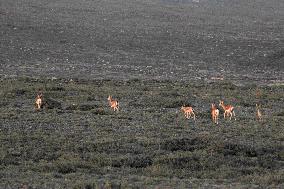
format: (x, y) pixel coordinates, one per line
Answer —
(228, 111)
(187, 110)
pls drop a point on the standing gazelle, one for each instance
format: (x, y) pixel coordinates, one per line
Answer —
(214, 113)
(258, 112)
(39, 101)
(188, 111)
(228, 110)
(113, 103)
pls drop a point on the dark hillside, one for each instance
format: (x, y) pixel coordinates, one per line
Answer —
(159, 39)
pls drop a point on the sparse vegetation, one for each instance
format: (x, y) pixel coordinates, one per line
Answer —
(145, 144)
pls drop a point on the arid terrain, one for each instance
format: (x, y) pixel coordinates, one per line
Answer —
(158, 39)
(154, 56)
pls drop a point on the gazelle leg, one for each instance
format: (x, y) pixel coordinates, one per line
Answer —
(234, 115)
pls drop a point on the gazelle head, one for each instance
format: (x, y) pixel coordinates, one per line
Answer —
(221, 103)
(109, 98)
(213, 106)
(39, 94)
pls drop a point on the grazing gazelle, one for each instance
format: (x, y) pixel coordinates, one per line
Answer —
(113, 103)
(188, 111)
(228, 110)
(214, 113)
(38, 101)
(258, 112)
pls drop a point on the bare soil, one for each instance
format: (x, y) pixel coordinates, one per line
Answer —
(241, 41)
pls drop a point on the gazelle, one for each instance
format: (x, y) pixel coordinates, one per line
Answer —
(258, 112)
(188, 111)
(38, 101)
(214, 113)
(228, 110)
(113, 103)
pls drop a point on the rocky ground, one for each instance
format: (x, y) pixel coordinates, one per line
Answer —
(160, 39)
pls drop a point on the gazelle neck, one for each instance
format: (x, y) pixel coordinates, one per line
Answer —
(223, 106)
